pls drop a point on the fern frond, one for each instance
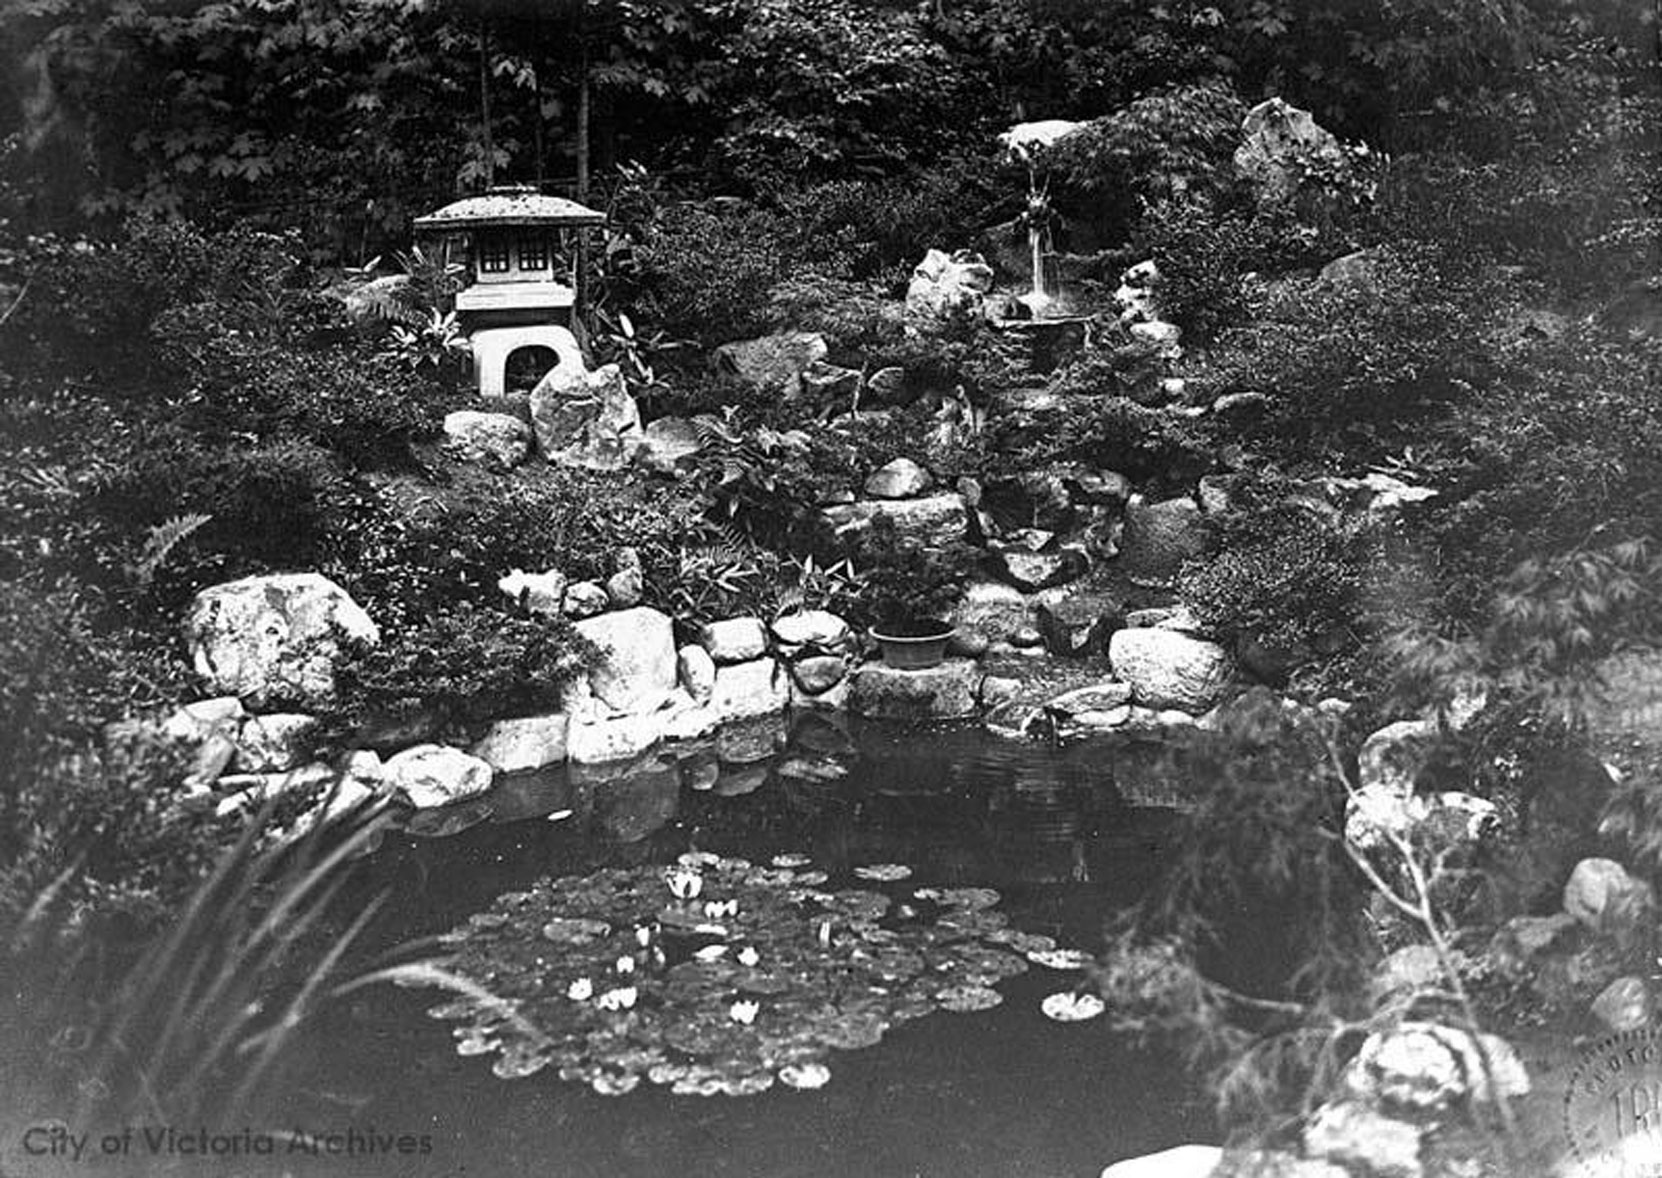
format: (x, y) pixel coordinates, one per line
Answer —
(160, 541)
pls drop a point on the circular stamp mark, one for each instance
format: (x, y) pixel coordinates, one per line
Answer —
(1613, 1106)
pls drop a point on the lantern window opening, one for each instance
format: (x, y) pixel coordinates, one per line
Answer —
(493, 254)
(533, 251)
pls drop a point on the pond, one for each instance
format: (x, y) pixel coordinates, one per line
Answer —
(958, 1091)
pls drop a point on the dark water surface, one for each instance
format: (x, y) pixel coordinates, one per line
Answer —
(1004, 1092)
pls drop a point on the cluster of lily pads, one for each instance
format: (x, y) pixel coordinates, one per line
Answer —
(718, 975)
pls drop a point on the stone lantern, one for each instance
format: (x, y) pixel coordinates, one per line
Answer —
(518, 294)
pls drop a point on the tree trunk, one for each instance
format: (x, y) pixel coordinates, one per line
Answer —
(485, 102)
(584, 98)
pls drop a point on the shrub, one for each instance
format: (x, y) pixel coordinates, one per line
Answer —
(1353, 368)
(1283, 576)
(706, 274)
(467, 664)
(902, 580)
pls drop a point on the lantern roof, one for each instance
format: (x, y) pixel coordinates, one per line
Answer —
(509, 205)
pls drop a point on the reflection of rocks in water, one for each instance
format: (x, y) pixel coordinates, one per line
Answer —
(630, 809)
(1041, 827)
(444, 821)
(700, 771)
(1148, 773)
(737, 780)
(537, 793)
(718, 975)
(747, 741)
(820, 732)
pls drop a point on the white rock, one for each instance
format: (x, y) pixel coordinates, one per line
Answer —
(696, 671)
(759, 687)
(900, 479)
(1392, 757)
(436, 775)
(637, 670)
(1356, 1135)
(587, 419)
(274, 742)
(1183, 1161)
(735, 640)
(525, 742)
(1603, 896)
(816, 627)
(274, 637)
(1167, 669)
(500, 439)
(539, 593)
(602, 740)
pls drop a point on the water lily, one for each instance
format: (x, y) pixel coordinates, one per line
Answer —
(685, 883)
(710, 952)
(643, 935)
(744, 1011)
(581, 990)
(749, 956)
(719, 909)
(626, 964)
(620, 999)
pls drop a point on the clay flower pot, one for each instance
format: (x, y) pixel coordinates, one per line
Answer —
(913, 645)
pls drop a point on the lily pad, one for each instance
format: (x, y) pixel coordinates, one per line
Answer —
(828, 971)
(1064, 959)
(1070, 1006)
(966, 999)
(884, 872)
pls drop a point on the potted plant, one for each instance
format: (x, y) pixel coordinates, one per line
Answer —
(906, 591)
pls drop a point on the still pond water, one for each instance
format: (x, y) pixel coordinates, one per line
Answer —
(997, 1093)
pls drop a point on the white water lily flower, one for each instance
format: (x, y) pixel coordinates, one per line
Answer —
(626, 964)
(685, 883)
(581, 990)
(1059, 958)
(710, 952)
(1070, 1006)
(717, 909)
(805, 1075)
(744, 1011)
(643, 935)
(749, 956)
(619, 999)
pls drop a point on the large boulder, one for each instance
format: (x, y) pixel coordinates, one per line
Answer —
(1030, 570)
(498, 439)
(669, 443)
(1280, 145)
(537, 593)
(1361, 1139)
(734, 640)
(637, 669)
(1170, 670)
(943, 692)
(1076, 627)
(759, 687)
(1420, 1067)
(899, 479)
(525, 742)
(1605, 898)
(603, 740)
(275, 637)
(276, 741)
(818, 629)
(771, 363)
(1160, 537)
(436, 775)
(946, 287)
(586, 419)
(933, 521)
